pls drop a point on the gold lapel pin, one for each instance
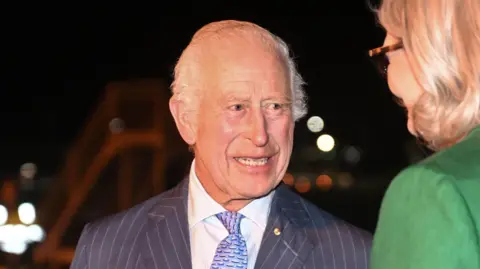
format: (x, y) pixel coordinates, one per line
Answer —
(277, 231)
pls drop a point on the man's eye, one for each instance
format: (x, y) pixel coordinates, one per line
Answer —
(237, 107)
(275, 106)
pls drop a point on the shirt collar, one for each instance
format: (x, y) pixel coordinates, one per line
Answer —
(201, 206)
(258, 210)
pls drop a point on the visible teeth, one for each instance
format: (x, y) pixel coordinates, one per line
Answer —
(252, 161)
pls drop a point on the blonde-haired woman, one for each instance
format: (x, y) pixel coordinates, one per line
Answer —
(430, 215)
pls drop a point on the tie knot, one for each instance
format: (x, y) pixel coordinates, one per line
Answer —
(231, 221)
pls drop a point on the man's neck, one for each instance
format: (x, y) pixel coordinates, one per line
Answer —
(222, 198)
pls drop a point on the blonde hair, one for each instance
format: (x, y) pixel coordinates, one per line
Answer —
(442, 42)
(187, 69)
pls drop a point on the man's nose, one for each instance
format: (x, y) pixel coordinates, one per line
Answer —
(258, 129)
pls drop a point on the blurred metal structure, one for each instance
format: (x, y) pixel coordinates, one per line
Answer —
(118, 160)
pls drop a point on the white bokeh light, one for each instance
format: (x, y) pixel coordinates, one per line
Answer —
(14, 247)
(3, 215)
(35, 233)
(315, 124)
(325, 143)
(26, 213)
(117, 125)
(14, 239)
(28, 170)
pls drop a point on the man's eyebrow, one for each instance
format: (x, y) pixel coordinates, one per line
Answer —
(231, 98)
(236, 97)
(283, 98)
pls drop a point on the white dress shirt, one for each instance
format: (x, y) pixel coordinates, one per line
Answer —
(206, 231)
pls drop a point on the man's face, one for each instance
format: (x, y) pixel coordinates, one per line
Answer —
(244, 127)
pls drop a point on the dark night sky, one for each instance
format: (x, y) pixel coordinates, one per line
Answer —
(57, 63)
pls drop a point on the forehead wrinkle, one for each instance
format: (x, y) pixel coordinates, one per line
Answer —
(251, 71)
(237, 97)
(242, 55)
(242, 90)
(254, 82)
(235, 90)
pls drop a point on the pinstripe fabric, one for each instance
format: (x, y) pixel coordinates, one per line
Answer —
(154, 235)
(310, 238)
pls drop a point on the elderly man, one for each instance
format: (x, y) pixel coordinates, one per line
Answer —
(236, 96)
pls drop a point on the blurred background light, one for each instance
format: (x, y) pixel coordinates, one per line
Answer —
(26, 213)
(324, 182)
(302, 184)
(315, 124)
(3, 215)
(325, 143)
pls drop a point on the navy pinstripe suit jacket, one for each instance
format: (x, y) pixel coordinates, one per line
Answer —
(155, 235)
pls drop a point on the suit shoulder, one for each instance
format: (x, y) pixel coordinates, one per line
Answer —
(114, 238)
(325, 220)
(326, 225)
(125, 224)
(335, 241)
(109, 237)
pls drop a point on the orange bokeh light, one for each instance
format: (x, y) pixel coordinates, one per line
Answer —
(288, 179)
(324, 182)
(302, 184)
(8, 193)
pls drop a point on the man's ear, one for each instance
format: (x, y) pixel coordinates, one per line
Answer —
(184, 120)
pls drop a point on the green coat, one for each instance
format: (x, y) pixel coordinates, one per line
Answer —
(430, 215)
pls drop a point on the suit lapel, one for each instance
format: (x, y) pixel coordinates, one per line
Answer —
(285, 242)
(167, 240)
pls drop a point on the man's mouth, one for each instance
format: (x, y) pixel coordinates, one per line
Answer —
(252, 161)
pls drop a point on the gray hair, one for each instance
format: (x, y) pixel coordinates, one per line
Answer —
(442, 43)
(186, 68)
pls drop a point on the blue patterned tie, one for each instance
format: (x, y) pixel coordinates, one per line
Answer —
(232, 251)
